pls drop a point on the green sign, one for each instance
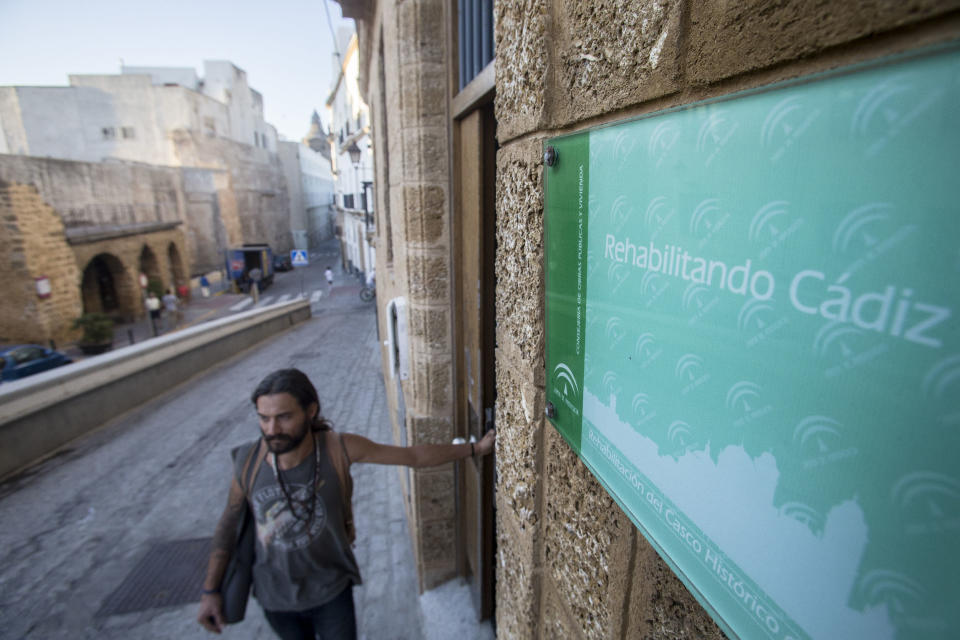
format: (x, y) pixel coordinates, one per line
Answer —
(752, 342)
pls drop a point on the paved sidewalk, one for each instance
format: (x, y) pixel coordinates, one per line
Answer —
(75, 527)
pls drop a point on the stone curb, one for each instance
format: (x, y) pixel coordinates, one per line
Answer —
(43, 412)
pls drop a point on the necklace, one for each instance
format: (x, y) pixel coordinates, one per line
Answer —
(312, 498)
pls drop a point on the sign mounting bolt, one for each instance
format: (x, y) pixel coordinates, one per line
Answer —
(551, 410)
(550, 156)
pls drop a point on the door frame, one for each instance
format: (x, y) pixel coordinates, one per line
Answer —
(478, 95)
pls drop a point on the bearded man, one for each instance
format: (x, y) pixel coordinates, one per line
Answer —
(304, 571)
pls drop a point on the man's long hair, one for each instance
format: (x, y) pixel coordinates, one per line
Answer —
(298, 385)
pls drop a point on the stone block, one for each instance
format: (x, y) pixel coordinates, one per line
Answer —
(730, 38)
(519, 261)
(430, 430)
(428, 277)
(660, 605)
(611, 55)
(435, 493)
(437, 542)
(583, 532)
(555, 618)
(423, 93)
(425, 214)
(429, 328)
(420, 32)
(425, 157)
(518, 578)
(520, 425)
(520, 39)
(430, 393)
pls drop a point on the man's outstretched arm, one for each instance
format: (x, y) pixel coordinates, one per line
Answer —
(224, 539)
(360, 449)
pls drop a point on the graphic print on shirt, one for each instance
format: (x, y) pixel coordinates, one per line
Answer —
(279, 528)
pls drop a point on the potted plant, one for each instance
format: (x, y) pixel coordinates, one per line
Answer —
(97, 333)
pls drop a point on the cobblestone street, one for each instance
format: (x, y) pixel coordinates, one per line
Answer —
(75, 527)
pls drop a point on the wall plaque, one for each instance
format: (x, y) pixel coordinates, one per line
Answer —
(752, 342)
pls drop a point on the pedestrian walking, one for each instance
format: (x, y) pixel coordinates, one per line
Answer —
(295, 481)
(328, 274)
(171, 308)
(204, 286)
(153, 306)
(255, 276)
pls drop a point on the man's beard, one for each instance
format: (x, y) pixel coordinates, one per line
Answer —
(282, 443)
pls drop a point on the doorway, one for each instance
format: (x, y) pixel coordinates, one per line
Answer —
(475, 251)
(99, 285)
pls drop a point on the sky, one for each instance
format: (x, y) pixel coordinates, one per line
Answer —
(285, 46)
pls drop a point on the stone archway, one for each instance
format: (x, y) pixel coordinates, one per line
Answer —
(106, 287)
(150, 266)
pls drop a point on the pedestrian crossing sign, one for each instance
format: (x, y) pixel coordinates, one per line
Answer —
(299, 258)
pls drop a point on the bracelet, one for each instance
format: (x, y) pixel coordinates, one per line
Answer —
(473, 452)
(208, 592)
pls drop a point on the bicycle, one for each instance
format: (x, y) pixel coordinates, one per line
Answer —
(368, 292)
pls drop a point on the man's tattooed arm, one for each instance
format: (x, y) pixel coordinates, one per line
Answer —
(224, 537)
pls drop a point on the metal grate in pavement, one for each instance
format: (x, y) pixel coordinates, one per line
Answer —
(170, 574)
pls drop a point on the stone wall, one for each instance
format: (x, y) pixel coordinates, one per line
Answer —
(34, 246)
(406, 93)
(419, 170)
(571, 564)
(60, 215)
(252, 197)
(87, 194)
(210, 215)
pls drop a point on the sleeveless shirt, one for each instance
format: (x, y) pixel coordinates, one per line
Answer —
(298, 568)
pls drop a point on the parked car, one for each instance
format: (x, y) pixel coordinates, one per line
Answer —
(282, 263)
(24, 360)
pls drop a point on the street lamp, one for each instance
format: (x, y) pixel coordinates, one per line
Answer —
(354, 152)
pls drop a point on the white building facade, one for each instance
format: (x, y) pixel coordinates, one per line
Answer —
(352, 163)
(130, 116)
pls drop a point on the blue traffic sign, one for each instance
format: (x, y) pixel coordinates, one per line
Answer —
(299, 258)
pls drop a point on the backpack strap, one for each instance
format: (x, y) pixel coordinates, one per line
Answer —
(247, 476)
(341, 464)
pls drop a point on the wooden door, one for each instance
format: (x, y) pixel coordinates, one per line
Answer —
(475, 210)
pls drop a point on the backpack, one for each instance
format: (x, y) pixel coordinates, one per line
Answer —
(341, 464)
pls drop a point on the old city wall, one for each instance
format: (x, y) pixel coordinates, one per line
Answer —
(34, 246)
(59, 215)
(87, 194)
(571, 564)
(251, 189)
(209, 207)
